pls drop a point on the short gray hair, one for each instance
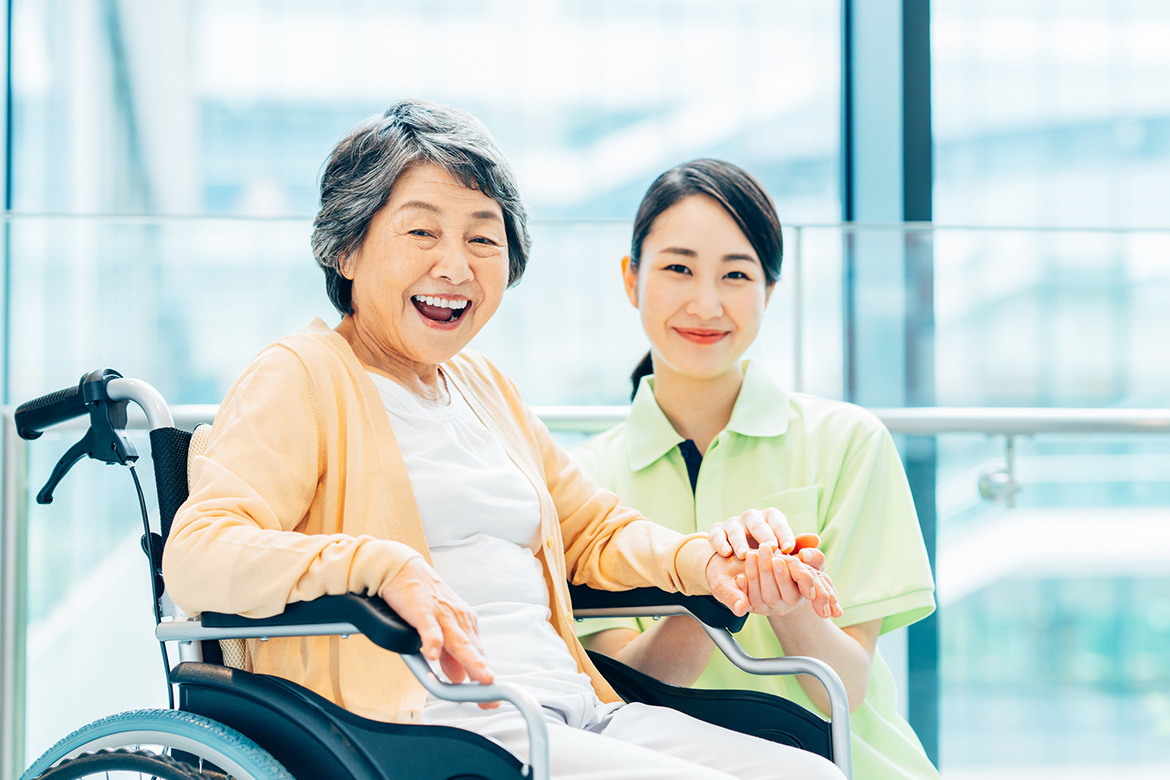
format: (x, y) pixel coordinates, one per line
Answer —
(362, 168)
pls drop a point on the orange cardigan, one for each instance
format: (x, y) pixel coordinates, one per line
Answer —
(303, 492)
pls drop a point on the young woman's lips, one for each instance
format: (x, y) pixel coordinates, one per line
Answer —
(701, 336)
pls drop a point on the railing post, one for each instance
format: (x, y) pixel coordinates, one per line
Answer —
(13, 600)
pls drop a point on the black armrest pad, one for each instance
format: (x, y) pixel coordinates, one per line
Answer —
(370, 616)
(705, 608)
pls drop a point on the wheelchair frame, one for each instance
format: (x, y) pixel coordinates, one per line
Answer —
(214, 698)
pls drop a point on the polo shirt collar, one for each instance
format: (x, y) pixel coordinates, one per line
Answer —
(760, 410)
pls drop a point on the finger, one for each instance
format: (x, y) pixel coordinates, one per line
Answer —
(760, 529)
(812, 557)
(430, 633)
(752, 570)
(834, 602)
(835, 609)
(769, 588)
(813, 589)
(786, 540)
(820, 604)
(804, 541)
(452, 668)
(803, 578)
(718, 537)
(465, 651)
(788, 588)
(737, 539)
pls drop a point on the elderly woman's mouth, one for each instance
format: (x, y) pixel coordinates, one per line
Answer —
(440, 309)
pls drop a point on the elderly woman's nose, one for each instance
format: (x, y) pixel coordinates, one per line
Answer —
(452, 263)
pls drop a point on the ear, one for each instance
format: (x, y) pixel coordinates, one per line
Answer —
(768, 293)
(630, 279)
(345, 265)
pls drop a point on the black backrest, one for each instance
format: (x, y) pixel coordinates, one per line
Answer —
(168, 448)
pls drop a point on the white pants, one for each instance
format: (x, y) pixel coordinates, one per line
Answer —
(641, 742)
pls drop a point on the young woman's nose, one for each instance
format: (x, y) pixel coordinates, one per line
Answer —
(452, 263)
(704, 303)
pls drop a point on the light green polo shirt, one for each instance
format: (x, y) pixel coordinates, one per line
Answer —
(832, 469)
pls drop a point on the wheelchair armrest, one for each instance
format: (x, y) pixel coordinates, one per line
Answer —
(640, 602)
(371, 616)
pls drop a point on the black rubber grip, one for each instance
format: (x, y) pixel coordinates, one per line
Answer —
(369, 615)
(33, 417)
(705, 608)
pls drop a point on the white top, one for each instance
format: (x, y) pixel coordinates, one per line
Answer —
(481, 516)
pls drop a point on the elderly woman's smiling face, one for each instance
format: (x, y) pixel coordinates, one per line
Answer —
(430, 273)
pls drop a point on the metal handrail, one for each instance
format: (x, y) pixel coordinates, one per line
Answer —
(925, 421)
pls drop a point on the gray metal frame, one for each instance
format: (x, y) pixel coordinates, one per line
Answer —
(190, 631)
(795, 664)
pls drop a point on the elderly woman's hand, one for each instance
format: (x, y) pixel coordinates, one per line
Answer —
(446, 625)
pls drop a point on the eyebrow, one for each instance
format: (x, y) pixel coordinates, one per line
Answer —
(684, 252)
(422, 205)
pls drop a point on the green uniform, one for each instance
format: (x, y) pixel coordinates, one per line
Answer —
(832, 469)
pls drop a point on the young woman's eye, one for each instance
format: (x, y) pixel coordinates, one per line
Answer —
(739, 275)
(678, 268)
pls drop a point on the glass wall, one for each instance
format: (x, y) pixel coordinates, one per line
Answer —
(1051, 120)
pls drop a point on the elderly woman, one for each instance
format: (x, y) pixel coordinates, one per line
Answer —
(378, 457)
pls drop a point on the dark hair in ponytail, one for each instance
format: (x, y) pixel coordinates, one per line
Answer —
(737, 192)
(644, 368)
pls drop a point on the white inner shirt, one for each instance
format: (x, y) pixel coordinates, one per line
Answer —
(481, 517)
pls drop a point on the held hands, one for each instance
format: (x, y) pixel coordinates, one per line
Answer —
(446, 625)
(772, 569)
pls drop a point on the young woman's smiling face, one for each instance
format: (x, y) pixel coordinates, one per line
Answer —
(700, 289)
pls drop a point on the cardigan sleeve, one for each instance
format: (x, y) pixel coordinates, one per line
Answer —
(237, 544)
(613, 547)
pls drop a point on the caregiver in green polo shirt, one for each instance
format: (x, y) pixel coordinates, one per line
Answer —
(710, 436)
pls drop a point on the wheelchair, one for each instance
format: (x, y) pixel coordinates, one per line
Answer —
(228, 722)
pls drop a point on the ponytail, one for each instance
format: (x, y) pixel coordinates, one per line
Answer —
(645, 368)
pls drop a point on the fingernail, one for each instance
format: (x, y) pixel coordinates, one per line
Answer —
(813, 591)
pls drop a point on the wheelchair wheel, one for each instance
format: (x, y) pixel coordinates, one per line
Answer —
(167, 744)
(124, 763)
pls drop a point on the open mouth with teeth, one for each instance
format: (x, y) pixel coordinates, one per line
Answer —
(440, 309)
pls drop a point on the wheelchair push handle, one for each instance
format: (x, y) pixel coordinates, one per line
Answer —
(33, 417)
(104, 394)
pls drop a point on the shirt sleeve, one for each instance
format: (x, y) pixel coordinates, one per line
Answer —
(232, 546)
(872, 541)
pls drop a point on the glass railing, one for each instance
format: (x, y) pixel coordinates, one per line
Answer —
(1052, 552)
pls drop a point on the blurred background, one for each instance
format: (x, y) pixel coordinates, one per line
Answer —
(976, 198)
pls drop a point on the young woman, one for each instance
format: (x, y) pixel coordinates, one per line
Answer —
(710, 435)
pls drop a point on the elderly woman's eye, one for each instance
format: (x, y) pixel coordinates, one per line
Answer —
(420, 232)
(484, 240)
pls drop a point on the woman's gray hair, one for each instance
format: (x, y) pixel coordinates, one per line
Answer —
(363, 167)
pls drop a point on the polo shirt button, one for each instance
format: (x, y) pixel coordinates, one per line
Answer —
(548, 543)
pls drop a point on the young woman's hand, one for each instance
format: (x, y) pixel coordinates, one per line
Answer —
(752, 529)
(445, 623)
